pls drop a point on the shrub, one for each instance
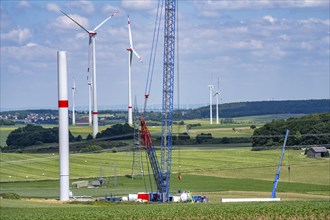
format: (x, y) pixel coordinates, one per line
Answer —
(91, 148)
(9, 195)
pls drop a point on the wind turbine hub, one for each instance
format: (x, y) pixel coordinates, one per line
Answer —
(92, 33)
(129, 49)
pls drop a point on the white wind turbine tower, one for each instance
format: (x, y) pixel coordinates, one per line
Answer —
(217, 94)
(211, 90)
(130, 56)
(74, 91)
(90, 87)
(92, 35)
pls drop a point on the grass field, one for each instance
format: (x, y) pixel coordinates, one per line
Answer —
(226, 130)
(284, 210)
(217, 173)
(209, 166)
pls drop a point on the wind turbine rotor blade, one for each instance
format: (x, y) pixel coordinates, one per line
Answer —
(130, 57)
(75, 21)
(90, 45)
(98, 26)
(130, 33)
(137, 55)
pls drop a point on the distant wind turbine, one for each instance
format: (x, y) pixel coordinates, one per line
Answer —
(74, 91)
(92, 35)
(217, 94)
(211, 90)
(130, 56)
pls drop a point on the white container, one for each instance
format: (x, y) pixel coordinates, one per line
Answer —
(132, 197)
(176, 199)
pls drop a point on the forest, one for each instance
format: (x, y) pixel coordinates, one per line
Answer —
(240, 109)
(307, 130)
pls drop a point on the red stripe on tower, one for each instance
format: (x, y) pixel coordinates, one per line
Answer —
(63, 103)
(129, 106)
(95, 113)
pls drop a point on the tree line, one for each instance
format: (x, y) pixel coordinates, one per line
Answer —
(36, 135)
(307, 130)
(240, 109)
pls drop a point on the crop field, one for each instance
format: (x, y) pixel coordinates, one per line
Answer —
(204, 166)
(11, 209)
(216, 173)
(264, 118)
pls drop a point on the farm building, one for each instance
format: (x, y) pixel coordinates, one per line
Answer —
(317, 152)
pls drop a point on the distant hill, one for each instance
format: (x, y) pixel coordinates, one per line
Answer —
(307, 130)
(240, 109)
(228, 110)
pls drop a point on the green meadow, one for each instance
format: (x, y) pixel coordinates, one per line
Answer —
(318, 209)
(209, 170)
(216, 171)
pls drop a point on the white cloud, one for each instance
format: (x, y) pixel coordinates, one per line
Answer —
(86, 6)
(284, 37)
(27, 53)
(236, 30)
(18, 35)
(109, 9)
(251, 44)
(306, 46)
(214, 8)
(81, 35)
(278, 52)
(269, 18)
(63, 22)
(139, 5)
(31, 45)
(14, 69)
(24, 4)
(53, 7)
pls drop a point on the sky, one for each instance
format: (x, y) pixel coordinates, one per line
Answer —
(258, 49)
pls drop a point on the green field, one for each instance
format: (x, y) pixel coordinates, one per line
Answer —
(238, 163)
(225, 130)
(217, 173)
(279, 210)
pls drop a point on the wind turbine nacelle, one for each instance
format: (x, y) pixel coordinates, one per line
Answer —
(92, 33)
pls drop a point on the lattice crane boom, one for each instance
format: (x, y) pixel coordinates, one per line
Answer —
(162, 170)
(167, 106)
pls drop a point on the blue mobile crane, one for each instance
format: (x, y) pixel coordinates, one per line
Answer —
(162, 170)
(277, 175)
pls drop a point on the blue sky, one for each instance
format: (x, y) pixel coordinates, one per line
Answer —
(259, 49)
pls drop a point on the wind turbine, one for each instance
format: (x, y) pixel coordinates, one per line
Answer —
(74, 91)
(211, 90)
(92, 35)
(130, 56)
(217, 94)
(90, 87)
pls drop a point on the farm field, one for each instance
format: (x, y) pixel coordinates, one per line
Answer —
(210, 170)
(216, 172)
(11, 209)
(216, 130)
(242, 127)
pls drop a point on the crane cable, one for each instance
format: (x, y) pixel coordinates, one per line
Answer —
(153, 53)
(178, 81)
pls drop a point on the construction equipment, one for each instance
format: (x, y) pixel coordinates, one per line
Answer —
(162, 171)
(277, 175)
(168, 86)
